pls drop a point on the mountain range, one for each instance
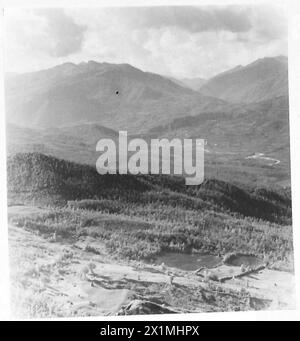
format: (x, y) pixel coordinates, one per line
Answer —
(63, 111)
(121, 96)
(117, 96)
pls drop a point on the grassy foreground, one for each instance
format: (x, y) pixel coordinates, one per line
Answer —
(142, 232)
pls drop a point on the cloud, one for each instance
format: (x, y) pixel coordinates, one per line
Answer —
(177, 41)
(270, 22)
(67, 35)
(39, 38)
(191, 19)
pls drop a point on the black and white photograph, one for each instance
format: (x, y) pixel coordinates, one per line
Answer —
(148, 162)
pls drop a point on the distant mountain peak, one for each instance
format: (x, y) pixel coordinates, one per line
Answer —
(268, 60)
(263, 79)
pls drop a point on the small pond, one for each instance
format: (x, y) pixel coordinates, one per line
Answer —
(246, 260)
(188, 262)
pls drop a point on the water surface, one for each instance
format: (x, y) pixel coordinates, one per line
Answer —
(188, 262)
(245, 260)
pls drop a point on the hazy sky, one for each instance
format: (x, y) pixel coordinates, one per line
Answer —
(176, 41)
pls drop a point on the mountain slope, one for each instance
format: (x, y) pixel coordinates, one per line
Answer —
(118, 96)
(261, 80)
(42, 177)
(74, 143)
(263, 125)
(34, 176)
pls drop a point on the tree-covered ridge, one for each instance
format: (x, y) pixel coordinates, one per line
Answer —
(34, 176)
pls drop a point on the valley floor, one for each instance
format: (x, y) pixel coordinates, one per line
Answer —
(62, 278)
